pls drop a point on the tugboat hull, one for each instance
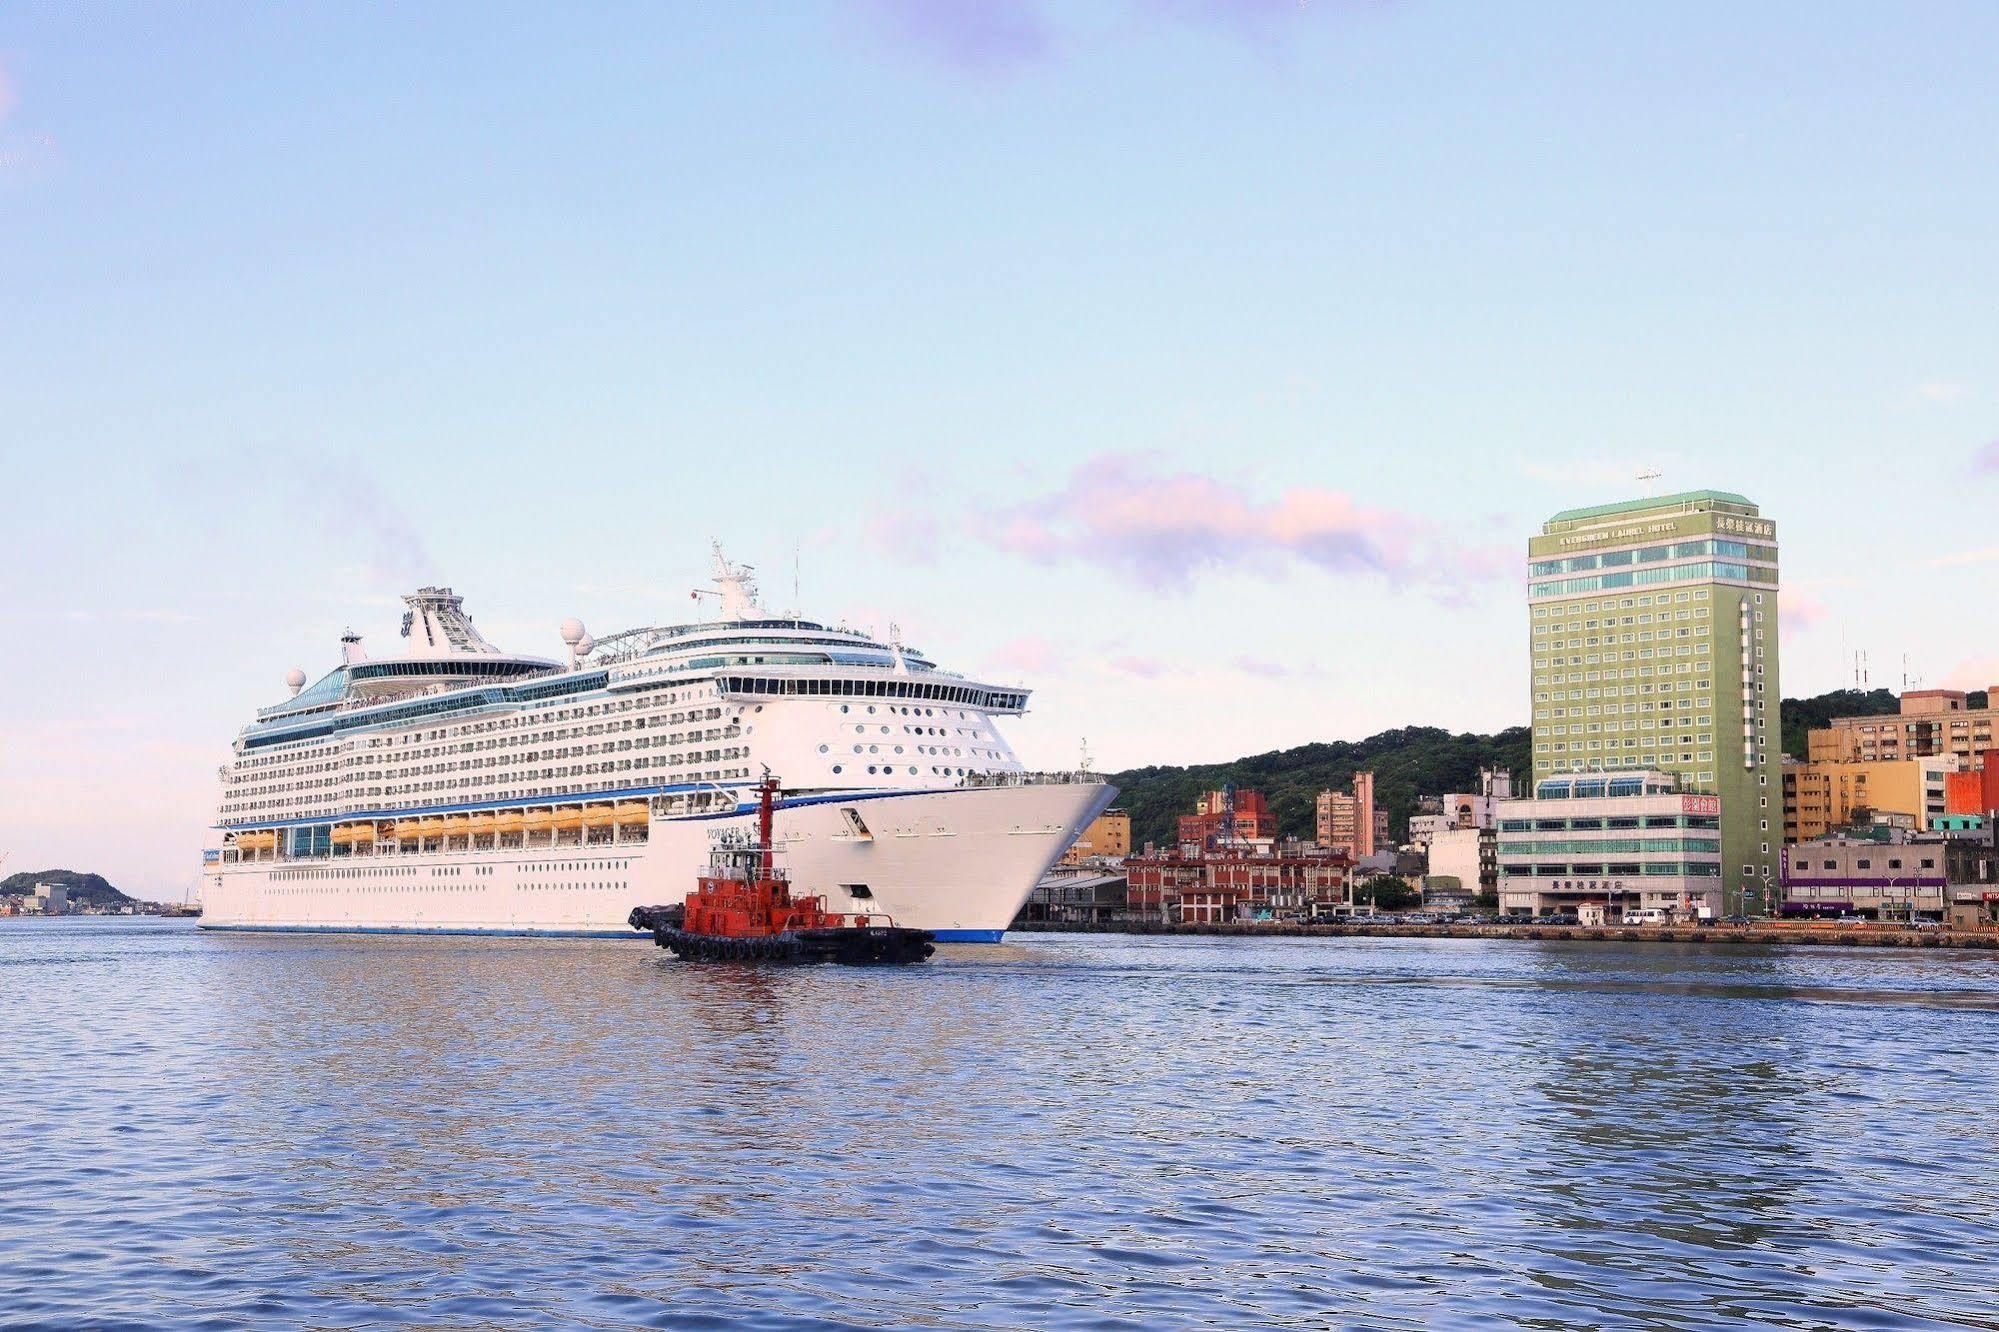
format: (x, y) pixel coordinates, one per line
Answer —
(853, 945)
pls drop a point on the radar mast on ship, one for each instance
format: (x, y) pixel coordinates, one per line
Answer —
(735, 588)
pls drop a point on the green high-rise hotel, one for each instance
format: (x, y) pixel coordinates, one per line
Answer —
(1654, 630)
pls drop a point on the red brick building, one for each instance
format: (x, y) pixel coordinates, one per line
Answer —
(1209, 887)
(1209, 823)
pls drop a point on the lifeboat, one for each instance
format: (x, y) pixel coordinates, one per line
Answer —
(457, 825)
(598, 816)
(479, 824)
(568, 818)
(743, 910)
(539, 820)
(408, 830)
(256, 841)
(509, 820)
(632, 813)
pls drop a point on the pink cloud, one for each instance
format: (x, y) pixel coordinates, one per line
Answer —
(1029, 655)
(1162, 529)
(9, 96)
(1799, 611)
(910, 533)
(1145, 668)
(1003, 37)
(1978, 673)
(1987, 459)
(1269, 670)
(986, 37)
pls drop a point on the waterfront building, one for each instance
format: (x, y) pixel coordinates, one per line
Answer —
(1226, 816)
(1077, 896)
(1620, 840)
(1931, 721)
(1822, 796)
(49, 899)
(1653, 629)
(1351, 824)
(1892, 876)
(1107, 838)
(1191, 885)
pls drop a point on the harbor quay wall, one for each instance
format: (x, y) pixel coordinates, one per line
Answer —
(1872, 937)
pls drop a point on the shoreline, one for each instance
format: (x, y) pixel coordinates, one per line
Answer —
(1792, 935)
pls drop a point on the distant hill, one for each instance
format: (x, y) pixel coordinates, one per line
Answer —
(1801, 715)
(1407, 762)
(1412, 761)
(84, 889)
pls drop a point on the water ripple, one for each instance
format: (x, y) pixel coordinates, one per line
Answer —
(221, 1131)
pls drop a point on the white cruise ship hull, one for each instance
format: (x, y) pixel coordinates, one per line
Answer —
(959, 862)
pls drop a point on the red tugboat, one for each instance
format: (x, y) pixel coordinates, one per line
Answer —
(744, 911)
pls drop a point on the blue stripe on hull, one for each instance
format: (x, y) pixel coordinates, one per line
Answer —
(968, 936)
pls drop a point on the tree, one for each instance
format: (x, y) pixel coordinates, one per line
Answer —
(1487, 899)
(1385, 892)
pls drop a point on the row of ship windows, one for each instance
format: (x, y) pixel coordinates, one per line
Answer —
(245, 799)
(416, 758)
(444, 871)
(539, 715)
(649, 768)
(292, 890)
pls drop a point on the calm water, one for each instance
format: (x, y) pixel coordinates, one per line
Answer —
(1059, 1132)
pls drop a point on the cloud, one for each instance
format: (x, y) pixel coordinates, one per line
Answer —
(1937, 390)
(1269, 670)
(1145, 668)
(1985, 555)
(983, 37)
(366, 525)
(18, 151)
(999, 38)
(1986, 460)
(1978, 673)
(1162, 529)
(1799, 611)
(1029, 655)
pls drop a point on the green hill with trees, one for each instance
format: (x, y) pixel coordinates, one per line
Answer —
(84, 889)
(1411, 761)
(1408, 762)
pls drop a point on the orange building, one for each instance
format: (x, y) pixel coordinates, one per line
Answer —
(1974, 792)
(1932, 721)
(1350, 823)
(1107, 838)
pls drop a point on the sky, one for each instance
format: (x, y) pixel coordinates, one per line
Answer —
(1203, 364)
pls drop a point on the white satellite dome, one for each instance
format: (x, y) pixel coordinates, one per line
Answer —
(585, 646)
(295, 678)
(572, 631)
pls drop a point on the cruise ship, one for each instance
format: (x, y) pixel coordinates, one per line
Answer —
(451, 787)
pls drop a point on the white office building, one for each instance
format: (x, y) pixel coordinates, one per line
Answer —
(1624, 841)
